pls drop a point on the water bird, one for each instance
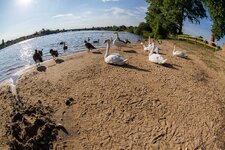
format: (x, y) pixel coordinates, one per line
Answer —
(89, 46)
(127, 41)
(37, 57)
(65, 47)
(119, 43)
(156, 58)
(114, 58)
(96, 41)
(54, 53)
(178, 53)
(151, 47)
(147, 48)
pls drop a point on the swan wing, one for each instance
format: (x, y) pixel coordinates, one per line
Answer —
(179, 53)
(115, 59)
(156, 58)
(119, 43)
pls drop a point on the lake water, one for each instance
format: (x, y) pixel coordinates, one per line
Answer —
(20, 55)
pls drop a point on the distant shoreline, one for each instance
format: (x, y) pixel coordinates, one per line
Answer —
(44, 32)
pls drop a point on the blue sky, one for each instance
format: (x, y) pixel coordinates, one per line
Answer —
(23, 17)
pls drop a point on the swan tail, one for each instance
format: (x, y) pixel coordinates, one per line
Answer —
(163, 62)
(125, 60)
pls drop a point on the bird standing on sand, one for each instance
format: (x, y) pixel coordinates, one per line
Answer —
(119, 43)
(115, 58)
(89, 46)
(38, 57)
(178, 53)
(54, 53)
(156, 58)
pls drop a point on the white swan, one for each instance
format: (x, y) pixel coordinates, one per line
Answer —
(156, 58)
(151, 47)
(178, 53)
(119, 43)
(115, 58)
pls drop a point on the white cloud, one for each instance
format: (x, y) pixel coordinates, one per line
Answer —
(110, 1)
(87, 13)
(142, 9)
(120, 11)
(63, 15)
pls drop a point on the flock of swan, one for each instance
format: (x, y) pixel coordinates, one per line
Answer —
(116, 58)
(154, 52)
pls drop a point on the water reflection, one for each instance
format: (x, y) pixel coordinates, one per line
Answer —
(15, 56)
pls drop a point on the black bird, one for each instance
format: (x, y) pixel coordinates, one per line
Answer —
(89, 46)
(64, 46)
(96, 41)
(38, 57)
(127, 41)
(54, 53)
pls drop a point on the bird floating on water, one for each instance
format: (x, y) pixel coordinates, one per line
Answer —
(65, 47)
(178, 53)
(114, 58)
(37, 57)
(89, 46)
(96, 41)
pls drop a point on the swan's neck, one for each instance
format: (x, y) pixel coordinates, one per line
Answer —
(149, 40)
(107, 49)
(117, 35)
(153, 47)
(174, 48)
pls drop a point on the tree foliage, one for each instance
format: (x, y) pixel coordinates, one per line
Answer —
(167, 16)
(216, 10)
(143, 27)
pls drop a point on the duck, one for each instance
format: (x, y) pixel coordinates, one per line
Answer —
(178, 53)
(156, 58)
(119, 43)
(37, 57)
(54, 53)
(115, 58)
(96, 41)
(89, 46)
(127, 41)
(64, 46)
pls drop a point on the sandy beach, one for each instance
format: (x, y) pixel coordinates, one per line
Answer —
(81, 102)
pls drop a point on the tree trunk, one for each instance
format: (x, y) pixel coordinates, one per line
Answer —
(181, 23)
(212, 39)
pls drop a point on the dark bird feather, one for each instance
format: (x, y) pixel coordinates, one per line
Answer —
(54, 53)
(89, 46)
(37, 57)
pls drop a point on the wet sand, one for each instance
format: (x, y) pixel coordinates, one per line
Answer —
(89, 104)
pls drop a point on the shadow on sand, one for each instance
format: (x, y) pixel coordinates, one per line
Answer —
(171, 66)
(59, 61)
(97, 52)
(187, 58)
(133, 67)
(130, 51)
(41, 68)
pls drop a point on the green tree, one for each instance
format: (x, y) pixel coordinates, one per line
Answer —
(142, 28)
(167, 16)
(216, 10)
(3, 42)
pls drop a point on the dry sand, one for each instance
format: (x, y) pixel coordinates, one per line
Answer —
(142, 105)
